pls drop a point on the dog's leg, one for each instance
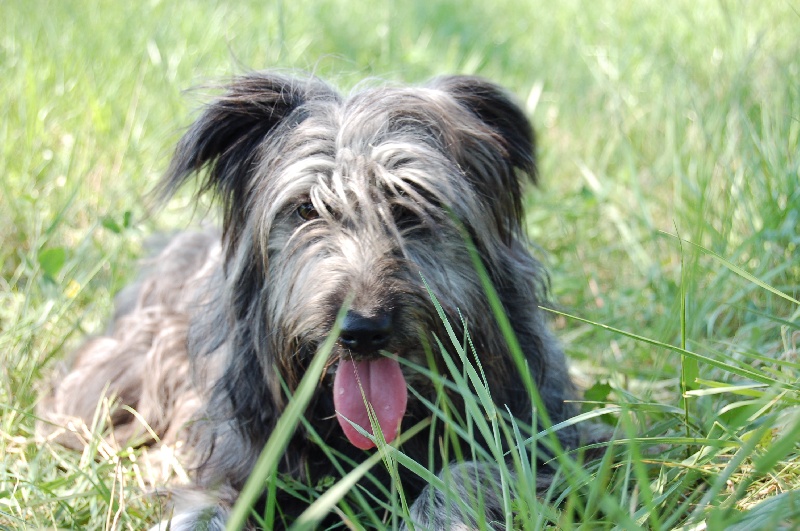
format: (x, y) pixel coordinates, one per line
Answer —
(210, 518)
(194, 509)
(142, 360)
(474, 491)
(114, 367)
(202, 519)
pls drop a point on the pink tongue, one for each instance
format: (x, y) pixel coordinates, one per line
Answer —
(384, 388)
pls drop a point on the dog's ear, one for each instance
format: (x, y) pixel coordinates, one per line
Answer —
(497, 109)
(225, 139)
(495, 148)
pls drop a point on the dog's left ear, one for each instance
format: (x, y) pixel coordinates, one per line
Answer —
(495, 149)
(497, 109)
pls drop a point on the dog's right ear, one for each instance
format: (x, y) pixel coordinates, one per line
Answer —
(225, 139)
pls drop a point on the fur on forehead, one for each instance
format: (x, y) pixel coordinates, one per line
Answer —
(273, 141)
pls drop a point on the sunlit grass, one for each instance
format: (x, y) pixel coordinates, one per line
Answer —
(668, 217)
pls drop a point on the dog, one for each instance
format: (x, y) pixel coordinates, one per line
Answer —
(376, 206)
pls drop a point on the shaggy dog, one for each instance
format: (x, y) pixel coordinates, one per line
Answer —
(378, 202)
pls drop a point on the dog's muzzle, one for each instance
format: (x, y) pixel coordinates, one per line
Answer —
(367, 383)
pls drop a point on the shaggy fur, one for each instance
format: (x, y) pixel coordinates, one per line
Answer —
(326, 199)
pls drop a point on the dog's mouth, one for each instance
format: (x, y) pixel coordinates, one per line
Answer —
(369, 388)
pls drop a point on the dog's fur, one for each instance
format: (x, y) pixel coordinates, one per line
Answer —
(327, 199)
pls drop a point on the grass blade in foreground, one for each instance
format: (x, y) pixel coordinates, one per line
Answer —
(738, 270)
(318, 510)
(267, 463)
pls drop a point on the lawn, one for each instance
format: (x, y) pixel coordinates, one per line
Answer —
(668, 217)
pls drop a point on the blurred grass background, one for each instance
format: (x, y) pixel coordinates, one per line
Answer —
(653, 119)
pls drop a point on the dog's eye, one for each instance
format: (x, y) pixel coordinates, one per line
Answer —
(307, 211)
(404, 217)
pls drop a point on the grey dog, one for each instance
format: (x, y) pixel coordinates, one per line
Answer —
(377, 200)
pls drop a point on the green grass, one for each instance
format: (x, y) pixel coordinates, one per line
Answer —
(655, 121)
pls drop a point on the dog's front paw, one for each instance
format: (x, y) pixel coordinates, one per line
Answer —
(201, 519)
(471, 499)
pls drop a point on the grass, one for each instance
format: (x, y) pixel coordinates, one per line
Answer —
(669, 218)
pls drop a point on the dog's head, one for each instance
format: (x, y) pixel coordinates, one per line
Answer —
(329, 199)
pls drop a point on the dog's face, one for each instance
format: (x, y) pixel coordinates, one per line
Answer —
(331, 201)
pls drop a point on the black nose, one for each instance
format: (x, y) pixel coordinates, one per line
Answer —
(365, 335)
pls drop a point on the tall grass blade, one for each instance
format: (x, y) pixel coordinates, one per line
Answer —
(267, 462)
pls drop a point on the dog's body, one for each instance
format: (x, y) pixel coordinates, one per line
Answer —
(330, 201)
